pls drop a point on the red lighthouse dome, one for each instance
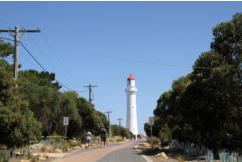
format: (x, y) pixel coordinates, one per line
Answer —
(131, 77)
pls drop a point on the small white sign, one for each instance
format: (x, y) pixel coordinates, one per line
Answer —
(151, 120)
(65, 120)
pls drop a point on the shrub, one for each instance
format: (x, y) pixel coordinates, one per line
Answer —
(181, 159)
(154, 142)
(4, 156)
(73, 143)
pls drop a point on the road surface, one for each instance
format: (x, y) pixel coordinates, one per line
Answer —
(128, 154)
(125, 152)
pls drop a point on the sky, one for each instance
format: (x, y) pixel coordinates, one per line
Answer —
(101, 43)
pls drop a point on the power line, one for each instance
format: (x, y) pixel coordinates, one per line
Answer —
(25, 48)
(41, 65)
(16, 43)
(51, 63)
(154, 63)
(6, 38)
(32, 56)
(56, 56)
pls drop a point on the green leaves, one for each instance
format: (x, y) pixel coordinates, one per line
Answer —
(205, 107)
(6, 49)
(17, 123)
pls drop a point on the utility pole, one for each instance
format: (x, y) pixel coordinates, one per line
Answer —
(119, 119)
(109, 112)
(16, 43)
(90, 91)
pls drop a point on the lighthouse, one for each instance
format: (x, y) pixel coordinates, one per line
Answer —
(131, 106)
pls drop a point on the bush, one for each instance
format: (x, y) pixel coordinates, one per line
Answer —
(45, 148)
(154, 142)
(4, 156)
(55, 137)
(119, 138)
(165, 135)
(73, 143)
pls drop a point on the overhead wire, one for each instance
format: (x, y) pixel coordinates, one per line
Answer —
(48, 58)
(25, 48)
(42, 66)
(44, 38)
(154, 63)
(127, 59)
(56, 56)
(151, 63)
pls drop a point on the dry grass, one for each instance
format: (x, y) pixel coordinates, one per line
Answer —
(46, 149)
(180, 159)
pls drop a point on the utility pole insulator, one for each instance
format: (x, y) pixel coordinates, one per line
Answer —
(90, 91)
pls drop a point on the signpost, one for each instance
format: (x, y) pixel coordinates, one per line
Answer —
(65, 123)
(151, 122)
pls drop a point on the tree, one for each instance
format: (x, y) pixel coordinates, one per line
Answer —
(212, 102)
(17, 124)
(205, 107)
(68, 107)
(92, 119)
(212, 105)
(6, 49)
(116, 130)
(43, 97)
(169, 123)
(126, 133)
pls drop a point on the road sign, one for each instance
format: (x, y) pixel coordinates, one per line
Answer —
(151, 120)
(65, 120)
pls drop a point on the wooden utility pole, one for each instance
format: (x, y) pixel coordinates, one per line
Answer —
(110, 131)
(119, 119)
(16, 43)
(90, 91)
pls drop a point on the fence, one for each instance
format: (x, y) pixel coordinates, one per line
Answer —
(224, 157)
(191, 149)
(5, 155)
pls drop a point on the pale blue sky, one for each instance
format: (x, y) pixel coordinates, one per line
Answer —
(103, 42)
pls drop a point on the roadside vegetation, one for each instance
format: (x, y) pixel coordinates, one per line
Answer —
(204, 108)
(33, 106)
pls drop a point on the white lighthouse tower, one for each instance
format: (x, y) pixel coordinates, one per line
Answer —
(131, 106)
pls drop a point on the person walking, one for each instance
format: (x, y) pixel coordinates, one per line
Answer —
(103, 135)
(88, 138)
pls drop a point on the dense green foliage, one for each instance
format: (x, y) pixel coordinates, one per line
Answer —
(205, 107)
(17, 124)
(6, 49)
(121, 131)
(34, 105)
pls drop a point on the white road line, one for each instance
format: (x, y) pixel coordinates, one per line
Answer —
(146, 158)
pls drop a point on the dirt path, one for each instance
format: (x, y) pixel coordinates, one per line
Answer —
(94, 154)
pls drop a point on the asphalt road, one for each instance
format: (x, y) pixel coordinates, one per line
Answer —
(123, 152)
(128, 154)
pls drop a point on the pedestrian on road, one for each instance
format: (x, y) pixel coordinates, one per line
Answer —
(103, 135)
(88, 138)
